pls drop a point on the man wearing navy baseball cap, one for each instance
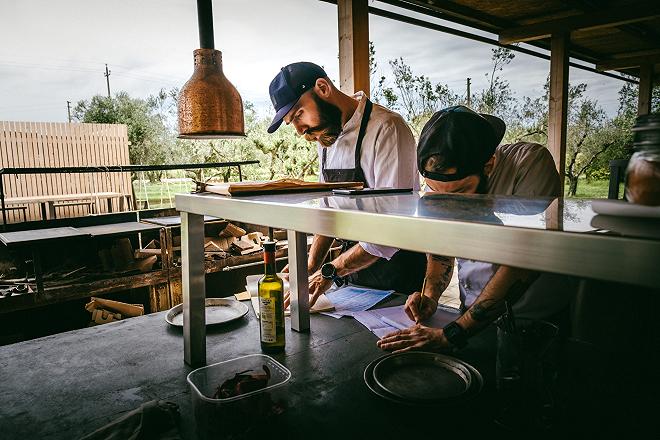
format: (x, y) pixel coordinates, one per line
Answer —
(459, 153)
(357, 141)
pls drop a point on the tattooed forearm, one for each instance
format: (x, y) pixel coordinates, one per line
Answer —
(508, 284)
(443, 259)
(486, 310)
(439, 271)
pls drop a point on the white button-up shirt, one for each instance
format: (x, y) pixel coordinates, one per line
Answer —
(388, 158)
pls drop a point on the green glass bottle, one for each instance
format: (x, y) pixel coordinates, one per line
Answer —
(271, 304)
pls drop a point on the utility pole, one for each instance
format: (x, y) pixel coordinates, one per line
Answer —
(68, 109)
(468, 93)
(107, 78)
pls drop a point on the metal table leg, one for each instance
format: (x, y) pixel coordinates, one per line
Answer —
(299, 281)
(194, 289)
(38, 272)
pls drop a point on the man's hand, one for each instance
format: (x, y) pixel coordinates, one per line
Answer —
(417, 337)
(317, 286)
(429, 307)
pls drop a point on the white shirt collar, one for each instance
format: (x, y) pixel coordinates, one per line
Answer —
(356, 119)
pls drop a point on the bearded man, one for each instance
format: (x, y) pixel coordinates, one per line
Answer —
(358, 141)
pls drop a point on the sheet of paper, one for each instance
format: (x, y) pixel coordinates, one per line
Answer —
(388, 319)
(322, 304)
(243, 296)
(350, 299)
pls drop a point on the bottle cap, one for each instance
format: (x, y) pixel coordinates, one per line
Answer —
(269, 246)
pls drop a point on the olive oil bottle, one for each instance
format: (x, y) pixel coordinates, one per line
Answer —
(271, 304)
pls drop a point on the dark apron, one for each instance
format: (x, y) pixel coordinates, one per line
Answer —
(404, 272)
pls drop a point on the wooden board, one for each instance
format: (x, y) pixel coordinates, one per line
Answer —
(40, 235)
(117, 229)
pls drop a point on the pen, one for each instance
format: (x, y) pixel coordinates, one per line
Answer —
(421, 300)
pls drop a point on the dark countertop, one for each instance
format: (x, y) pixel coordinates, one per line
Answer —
(67, 385)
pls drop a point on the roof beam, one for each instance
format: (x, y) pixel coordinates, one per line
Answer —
(611, 17)
(628, 62)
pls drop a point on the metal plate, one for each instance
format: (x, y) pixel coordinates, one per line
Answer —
(218, 311)
(422, 377)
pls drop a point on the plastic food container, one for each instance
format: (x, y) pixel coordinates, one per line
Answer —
(236, 417)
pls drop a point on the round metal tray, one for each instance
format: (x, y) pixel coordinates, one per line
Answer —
(218, 311)
(474, 380)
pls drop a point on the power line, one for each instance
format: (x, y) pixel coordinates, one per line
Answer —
(107, 78)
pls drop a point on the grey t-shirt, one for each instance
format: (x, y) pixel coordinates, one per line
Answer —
(528, 170)
(524, 169)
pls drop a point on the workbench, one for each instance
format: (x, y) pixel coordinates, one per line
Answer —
(64, 386)
(542, 234)
(67, 385)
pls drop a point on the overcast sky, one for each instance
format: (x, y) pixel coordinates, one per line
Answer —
(55, 51)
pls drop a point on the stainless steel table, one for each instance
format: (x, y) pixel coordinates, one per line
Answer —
(550, 235)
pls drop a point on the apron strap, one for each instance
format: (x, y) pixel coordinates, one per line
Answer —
(363, 130)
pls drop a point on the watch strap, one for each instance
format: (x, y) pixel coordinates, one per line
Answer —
(455, 334)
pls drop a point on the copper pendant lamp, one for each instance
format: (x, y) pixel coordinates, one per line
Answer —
(209, 105)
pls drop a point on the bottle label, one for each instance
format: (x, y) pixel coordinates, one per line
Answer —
(267, 319)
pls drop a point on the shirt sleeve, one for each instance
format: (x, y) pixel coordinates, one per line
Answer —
(395, 165)
(537, 174)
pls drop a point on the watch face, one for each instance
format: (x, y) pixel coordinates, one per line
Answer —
(327, 270)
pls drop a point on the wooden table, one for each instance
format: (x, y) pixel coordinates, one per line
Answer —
(68, 385)
(47, 201)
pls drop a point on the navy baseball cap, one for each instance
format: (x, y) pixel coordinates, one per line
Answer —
(288, 86)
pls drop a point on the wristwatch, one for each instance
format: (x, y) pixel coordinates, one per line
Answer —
(455, 334)
(329, 272)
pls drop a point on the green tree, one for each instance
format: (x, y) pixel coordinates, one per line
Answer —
(416, 97)
(497, 98)
(150, 140)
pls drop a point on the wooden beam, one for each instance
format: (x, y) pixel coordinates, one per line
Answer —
(645, 90)
(625, 63)
(611, 17)
(558, 104)
(353, 46)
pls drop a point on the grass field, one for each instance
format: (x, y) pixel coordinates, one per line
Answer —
(161, 195)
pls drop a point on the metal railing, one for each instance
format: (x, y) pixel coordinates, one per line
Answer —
(111, 169)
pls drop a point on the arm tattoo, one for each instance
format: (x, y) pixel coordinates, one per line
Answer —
(489, 309)
(486, 310)
(442, 259)
(444, 277)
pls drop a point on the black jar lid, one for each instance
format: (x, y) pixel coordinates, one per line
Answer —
(647, 132)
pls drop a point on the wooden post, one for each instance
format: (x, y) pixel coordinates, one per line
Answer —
(558, 105)
(645, 89)
(353, 46)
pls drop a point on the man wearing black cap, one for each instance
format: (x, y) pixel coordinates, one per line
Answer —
(357, 141)
(458, 152)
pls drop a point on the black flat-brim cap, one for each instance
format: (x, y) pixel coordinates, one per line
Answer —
(471, 137)
(289, 85)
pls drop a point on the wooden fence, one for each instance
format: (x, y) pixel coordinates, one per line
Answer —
(54, 144)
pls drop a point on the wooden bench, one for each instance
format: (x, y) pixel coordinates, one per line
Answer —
(87, 203)
(22, 208)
